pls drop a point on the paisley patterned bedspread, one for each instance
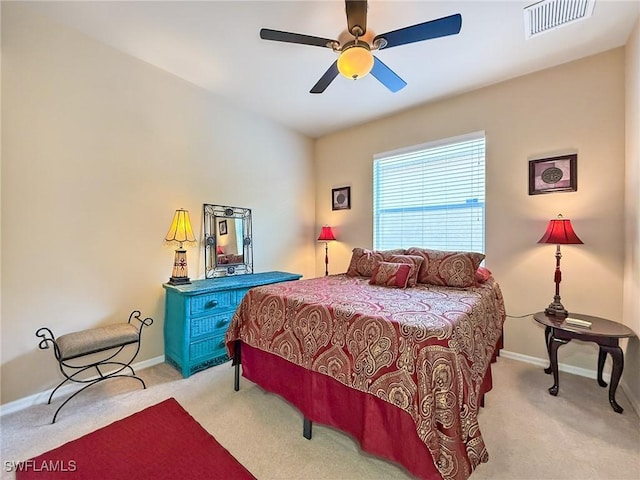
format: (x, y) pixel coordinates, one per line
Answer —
(424, 349)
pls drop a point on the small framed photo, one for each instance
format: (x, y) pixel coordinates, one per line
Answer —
(341, 198)
(222, 227)
(555, 174)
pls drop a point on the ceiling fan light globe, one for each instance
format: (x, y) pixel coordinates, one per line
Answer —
(355, 62)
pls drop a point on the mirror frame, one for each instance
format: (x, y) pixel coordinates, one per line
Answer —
(212, 214)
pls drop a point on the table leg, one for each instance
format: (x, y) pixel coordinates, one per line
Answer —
(547, 340)
(616, 373)
(602, 356)
(553, 357)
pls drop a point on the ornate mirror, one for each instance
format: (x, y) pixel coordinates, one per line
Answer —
(228, 243)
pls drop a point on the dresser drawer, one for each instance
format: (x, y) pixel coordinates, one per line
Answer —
(210, 325)
(240, 293)
(207, 348)
(211, 303)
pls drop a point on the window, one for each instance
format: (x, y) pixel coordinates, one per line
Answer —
(431, 196)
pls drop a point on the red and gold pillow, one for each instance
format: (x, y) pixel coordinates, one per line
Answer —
(390, 274)
(363, 261)
(414, 260)
(482, 274)
(449, 269)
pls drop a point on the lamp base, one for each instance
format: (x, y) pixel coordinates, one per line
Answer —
(556, 309)
(180, 274)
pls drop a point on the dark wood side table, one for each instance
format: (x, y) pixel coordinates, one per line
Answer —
(605, 333)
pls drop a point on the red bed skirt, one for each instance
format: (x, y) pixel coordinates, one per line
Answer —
(379, 427)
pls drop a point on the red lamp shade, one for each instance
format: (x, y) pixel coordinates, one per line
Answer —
(219, 250)
(326, 234)
(560, 232)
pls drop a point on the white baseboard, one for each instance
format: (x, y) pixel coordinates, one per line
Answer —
(583, 372)
(563, 367)
(68, 389)
(635, 401)
(542, 362)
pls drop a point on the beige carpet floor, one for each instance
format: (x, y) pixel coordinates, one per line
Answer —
(529, 433)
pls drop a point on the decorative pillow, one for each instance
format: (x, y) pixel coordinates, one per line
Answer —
(391, 274)
(482, 274)
(363, 261)
(449, 269)
(414, 260)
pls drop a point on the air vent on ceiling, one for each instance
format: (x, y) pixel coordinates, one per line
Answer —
(547, 15)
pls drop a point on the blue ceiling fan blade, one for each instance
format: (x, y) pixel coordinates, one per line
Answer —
(441, 27)
(326, 79)
(289, 37)
(386, 76)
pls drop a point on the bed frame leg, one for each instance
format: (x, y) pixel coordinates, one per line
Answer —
(237, 357)
(306, 428)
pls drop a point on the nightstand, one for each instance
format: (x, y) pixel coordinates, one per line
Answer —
(197, 316)
(606, 333)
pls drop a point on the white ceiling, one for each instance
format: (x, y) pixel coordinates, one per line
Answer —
(216, 45)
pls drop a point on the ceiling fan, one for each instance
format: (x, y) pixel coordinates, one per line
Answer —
(356, 59)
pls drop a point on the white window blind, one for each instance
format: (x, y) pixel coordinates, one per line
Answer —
(431, 196)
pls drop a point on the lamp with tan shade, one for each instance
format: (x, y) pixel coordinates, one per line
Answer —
(180, 232)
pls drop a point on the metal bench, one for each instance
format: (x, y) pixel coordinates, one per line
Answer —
(70, 350)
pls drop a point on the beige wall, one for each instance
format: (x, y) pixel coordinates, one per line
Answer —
(577, 107)
(98, 150)
(632, 212)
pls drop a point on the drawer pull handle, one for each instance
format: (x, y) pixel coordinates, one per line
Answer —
(212, 303)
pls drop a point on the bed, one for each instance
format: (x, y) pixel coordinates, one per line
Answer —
(402, 370)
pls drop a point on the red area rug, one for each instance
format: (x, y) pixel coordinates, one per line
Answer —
(161, 442)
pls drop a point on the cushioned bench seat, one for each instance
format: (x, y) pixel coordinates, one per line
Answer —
(94, 340)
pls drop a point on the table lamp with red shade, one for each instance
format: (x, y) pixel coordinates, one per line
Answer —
(559, 231)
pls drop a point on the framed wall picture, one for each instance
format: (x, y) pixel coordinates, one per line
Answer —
(555, 174)
(341, 198)
(222, 227)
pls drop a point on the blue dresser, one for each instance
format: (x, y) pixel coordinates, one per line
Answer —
(197, 316)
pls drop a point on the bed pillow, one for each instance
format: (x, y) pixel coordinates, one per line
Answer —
(449, 269)
(414, 260)
(363, 261)
(482, 275)
(390, 274)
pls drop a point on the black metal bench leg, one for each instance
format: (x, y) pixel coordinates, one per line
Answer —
(97, 380)
(306, 428)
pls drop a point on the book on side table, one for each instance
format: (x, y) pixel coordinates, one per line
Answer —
(577, 322)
